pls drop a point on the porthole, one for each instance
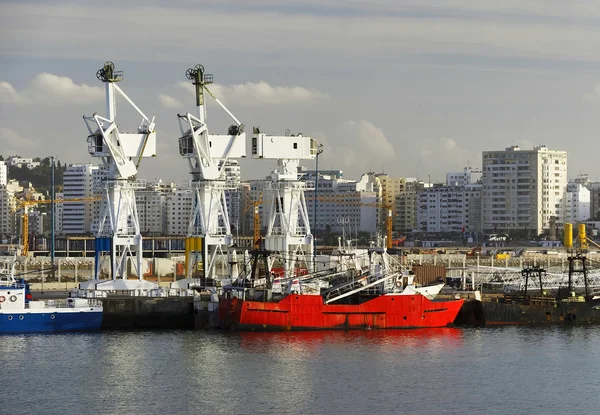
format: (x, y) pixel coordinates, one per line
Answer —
(10, 317)
(21, 317)
(52, 316)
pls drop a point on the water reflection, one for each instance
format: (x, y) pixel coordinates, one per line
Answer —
(384, 339)
(449, 370)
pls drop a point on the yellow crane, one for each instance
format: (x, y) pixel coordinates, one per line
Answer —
(25, 204)
(254, 205)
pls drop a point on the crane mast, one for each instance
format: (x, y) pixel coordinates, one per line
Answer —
(209, 228)
(121, 153)
(288, 228)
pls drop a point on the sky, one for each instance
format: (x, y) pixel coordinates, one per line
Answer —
(407, 87)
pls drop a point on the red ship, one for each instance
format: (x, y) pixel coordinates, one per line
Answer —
(309, 312)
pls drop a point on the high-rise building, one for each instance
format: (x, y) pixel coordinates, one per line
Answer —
(151, 205)
(406, 206)
(449, 208)
(343, 204)
(3, 173)
(523, 189)
(7, 217)
(178, 212)
(594, 188)
(80, 181)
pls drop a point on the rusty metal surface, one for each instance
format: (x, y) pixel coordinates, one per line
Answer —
(425, 274)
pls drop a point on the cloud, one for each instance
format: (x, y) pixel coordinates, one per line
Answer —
(441, 155)
(593, 96)
(356, 147)
(300, 34)
(169, 102)
(13, 143)
(260, 93)
(8, 94)
(50, 90)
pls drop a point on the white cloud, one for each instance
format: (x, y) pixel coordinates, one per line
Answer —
(50, 90)
(8, 94)
(260, 93)
(169, 102)
(593, 96)
(356, 147)
(13, 143)
(441, 155)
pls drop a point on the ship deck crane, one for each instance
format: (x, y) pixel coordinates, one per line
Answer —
(25, 204)
(119, 229)
(288, 229)
(209, 228)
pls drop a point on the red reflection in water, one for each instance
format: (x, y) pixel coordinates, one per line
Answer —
(448, 338)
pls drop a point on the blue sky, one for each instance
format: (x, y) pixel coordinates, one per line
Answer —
(412, 88)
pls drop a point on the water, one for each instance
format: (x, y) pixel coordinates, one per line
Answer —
(434, 371)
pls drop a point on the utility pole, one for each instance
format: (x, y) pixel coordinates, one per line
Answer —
(319, 151)
(52, 213)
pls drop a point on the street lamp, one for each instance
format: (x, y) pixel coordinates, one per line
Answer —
(319, 151)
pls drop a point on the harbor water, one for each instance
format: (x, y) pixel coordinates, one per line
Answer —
(434, 371)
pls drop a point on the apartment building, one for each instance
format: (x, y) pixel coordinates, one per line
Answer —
(81, 181)
(577, 203)
(449, 208)
(523, 189)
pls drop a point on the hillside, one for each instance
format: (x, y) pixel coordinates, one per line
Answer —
(40, 176)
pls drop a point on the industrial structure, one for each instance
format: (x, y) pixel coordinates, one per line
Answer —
(209, 229)
(288, 228)
(121, 154)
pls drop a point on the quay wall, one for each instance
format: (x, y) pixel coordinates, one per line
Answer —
(148, 313)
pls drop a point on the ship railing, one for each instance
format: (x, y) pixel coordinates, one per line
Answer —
(350, 291)
(11, 284)
(64, 303)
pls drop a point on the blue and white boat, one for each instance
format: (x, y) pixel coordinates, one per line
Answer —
(19, 313)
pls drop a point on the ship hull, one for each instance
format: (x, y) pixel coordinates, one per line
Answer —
(495, 313)
(50, 321)
(308, 312)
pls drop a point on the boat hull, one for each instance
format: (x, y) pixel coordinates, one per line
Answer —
(479, 313)
(50, 321)
(308, 312)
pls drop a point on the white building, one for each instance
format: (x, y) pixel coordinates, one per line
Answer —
(3, 173)
(523, 189)
(78, 182)
(449, 208)
(7, 217)
(467, 176)
(178, 212)
(151, 204)
(577, 203)
(14, 161)
(343, 204)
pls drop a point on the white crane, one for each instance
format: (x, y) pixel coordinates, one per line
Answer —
(209, 228)
(288, 229)
(119, 228)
